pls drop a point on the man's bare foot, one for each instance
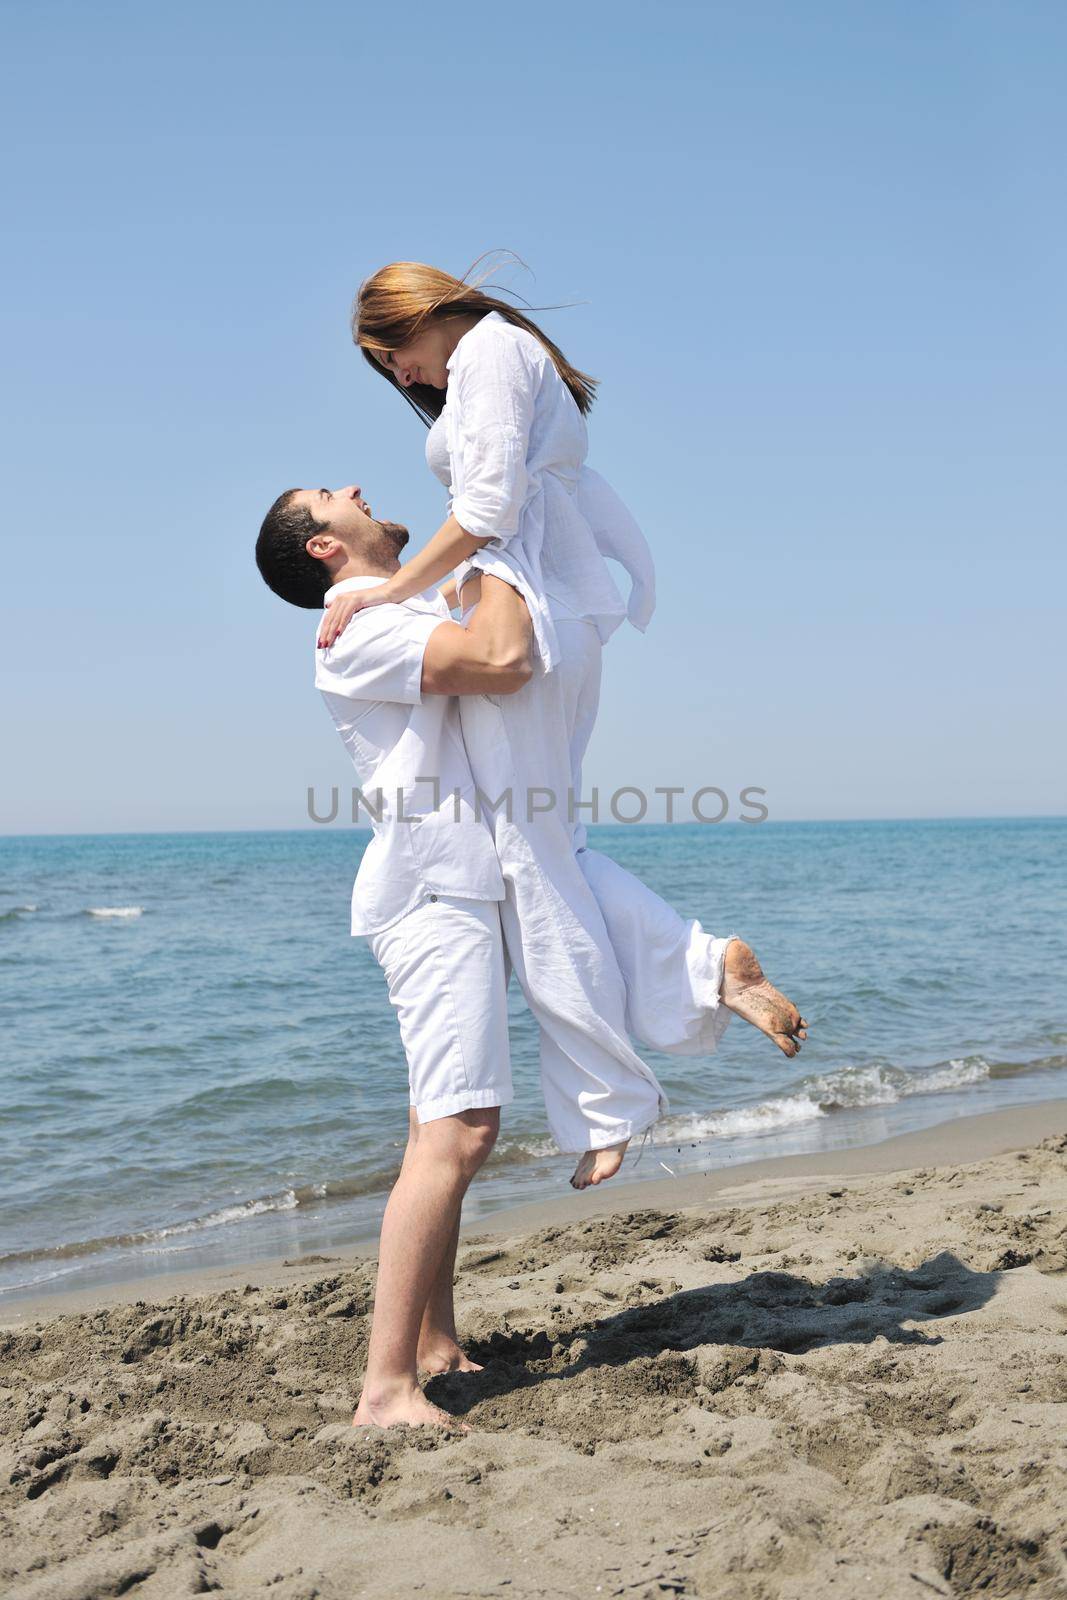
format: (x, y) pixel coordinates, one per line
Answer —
(441, 1354)
(747, 992)
(387, 1408)
(596, 1166)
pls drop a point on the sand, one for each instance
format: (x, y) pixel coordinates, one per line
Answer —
(779, 1382)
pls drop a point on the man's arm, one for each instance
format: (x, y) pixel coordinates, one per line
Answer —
(490, 655)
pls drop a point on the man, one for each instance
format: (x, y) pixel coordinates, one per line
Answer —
(428, 895)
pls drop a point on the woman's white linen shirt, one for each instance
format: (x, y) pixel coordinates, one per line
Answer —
(510, 445)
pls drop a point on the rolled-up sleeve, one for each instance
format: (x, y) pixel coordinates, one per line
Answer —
(378, 656)
(491, 397)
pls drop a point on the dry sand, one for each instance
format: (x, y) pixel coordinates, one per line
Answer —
(776, 1385)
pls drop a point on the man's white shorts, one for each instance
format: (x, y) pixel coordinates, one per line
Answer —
(444, 964)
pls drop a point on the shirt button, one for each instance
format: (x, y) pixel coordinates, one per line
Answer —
(433, 897)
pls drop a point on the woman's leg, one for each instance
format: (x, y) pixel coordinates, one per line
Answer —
(681, 983)
(598, 1092)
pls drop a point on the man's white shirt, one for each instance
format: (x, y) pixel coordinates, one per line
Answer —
(410, 760)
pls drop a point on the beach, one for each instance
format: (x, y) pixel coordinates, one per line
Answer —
(836, 1373)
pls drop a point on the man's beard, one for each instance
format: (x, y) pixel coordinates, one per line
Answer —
(394, 537)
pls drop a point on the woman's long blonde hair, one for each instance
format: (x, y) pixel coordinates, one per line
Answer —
(395, 301)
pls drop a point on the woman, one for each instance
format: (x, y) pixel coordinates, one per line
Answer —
(508, 438)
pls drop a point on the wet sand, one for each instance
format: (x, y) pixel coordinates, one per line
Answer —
(831, 1375)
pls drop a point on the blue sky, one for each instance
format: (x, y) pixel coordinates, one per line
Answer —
(816, 254)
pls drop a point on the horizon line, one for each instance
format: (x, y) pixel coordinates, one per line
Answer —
(351, 828)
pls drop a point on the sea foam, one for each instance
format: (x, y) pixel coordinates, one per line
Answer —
(850, 1088)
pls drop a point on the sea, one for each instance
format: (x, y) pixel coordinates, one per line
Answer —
(200, 1067)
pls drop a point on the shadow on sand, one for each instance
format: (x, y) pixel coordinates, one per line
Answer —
(765, 1311)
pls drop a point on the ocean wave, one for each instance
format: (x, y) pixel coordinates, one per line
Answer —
(264, 1094)
(767, 1116)
(849, 1089)
(40, 1279)
(878, 1085)
(152, 1240)
(287, 1200)
(16, 911)
(1012, 1069)
(114, 911)
(525, 1148)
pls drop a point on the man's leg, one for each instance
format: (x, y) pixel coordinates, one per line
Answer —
(438, 1349)
(417, 1231)
(444, 963)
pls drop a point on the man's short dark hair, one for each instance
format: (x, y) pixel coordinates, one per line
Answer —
(281, 553)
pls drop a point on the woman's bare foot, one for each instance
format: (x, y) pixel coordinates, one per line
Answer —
(386, 1408)
(442, 1354)
(596, 1166)
(747, 992)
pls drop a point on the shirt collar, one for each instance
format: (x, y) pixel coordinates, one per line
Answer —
(429, 598)
(346, 586)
